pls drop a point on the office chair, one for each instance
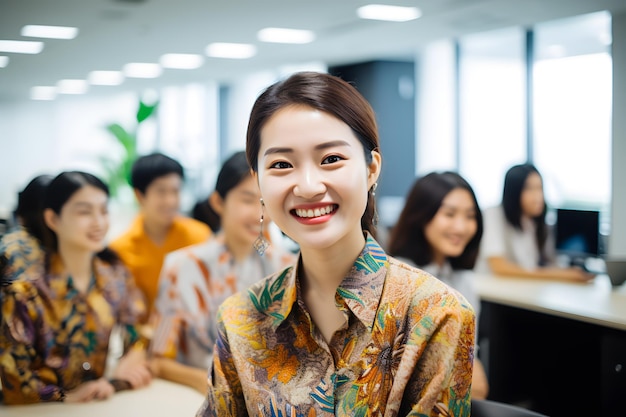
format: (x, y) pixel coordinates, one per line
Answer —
(488, 408)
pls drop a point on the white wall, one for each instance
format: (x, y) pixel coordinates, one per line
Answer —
(40, 137)
(617, 240)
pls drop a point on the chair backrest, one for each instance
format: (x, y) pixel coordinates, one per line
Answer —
(488, 408)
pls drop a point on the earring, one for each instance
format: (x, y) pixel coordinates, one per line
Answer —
(261, 244)
(375, 215)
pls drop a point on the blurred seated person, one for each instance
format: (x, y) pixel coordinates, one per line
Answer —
(517, 241)
(55, 329)
(159, 228)
(439, 230)
(196, 279)
(20, 247)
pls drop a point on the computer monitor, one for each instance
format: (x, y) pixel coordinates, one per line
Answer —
(577, 232)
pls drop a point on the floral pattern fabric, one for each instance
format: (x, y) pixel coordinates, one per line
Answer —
(194, 281)
(406, 348)
(24, 256)
(54, 337)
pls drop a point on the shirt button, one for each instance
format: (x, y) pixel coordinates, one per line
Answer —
(86, 366)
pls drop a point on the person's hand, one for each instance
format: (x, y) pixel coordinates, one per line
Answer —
(133, 367)
(573, 274)
(100, 389)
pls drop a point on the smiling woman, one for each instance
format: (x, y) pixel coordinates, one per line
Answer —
(56, 326)
(347, 330)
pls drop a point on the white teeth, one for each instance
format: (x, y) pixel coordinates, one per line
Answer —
(314, 213)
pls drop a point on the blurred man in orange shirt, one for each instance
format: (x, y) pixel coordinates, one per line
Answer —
(159, 228)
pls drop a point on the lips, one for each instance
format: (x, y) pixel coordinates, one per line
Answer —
(315, 212)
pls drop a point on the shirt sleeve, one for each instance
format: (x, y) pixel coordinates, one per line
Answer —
(225, 394)
(132, 310)
(166, 317)
(443, 385)
(23, 371)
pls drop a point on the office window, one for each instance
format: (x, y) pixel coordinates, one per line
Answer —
(572, 110)
(435, 110)
(492, 103)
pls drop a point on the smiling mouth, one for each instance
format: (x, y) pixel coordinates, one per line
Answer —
(317, 212)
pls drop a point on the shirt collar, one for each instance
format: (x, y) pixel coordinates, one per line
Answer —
(361, 289)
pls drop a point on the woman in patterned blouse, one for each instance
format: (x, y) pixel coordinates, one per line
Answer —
(195, 280)
(55, 329)
(348, 330)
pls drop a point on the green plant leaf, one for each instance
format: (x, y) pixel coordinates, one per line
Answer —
(145, 111)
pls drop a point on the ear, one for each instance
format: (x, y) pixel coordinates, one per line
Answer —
(374, 168)
(216, 202)
(139, 196)
(51, 219)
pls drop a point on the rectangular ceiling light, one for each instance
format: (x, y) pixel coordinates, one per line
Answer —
(284, 35)
(231, 50)
(43, 93)
(72, 86)
(142, 70)
(388, 13)
(21, 47)
(105, 78)
(52, 32)
(181, 61)
(4, 61)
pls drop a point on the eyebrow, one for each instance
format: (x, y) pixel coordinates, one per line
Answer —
(321, 146)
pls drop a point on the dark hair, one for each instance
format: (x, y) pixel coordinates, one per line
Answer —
(326, 93)
(30, 204)
(148, 168)
(234, 170)
(514, 182)
(58, 192)
(407, 239)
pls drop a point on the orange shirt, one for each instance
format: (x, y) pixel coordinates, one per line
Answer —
(144, 258)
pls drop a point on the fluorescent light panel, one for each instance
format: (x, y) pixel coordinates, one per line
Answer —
(21, 47)
(4, 61)
(231, 50)
(72, 86)
(105, 77)
(52, 32)
(43, 93)
(142, 70)
(181, 61)
(284, 35)
(388, 13)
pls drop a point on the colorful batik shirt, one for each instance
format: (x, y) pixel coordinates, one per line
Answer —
(406, 348)
(24, 256)
(53, 337)
(194, 281)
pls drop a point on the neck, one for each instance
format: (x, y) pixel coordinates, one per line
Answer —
(325, 269)
(239, 250)
(156, 232)
(439, 259)
(77, 263)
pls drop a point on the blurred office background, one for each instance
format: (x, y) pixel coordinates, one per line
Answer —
(471, 85)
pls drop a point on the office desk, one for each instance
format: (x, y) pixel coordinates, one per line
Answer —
(160, 399)
(558, 348)
(594, 302)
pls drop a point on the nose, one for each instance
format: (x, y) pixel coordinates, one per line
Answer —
(309, 183)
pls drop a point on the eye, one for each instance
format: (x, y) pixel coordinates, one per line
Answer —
(281, 165)
(332, 159)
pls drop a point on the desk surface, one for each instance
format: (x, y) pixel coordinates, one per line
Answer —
(161, 398)
(595, 302)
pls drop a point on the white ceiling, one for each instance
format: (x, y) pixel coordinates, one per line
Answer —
(116, 32)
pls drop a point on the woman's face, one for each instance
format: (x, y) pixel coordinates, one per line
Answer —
(83, 221)
(240, 212)
(531, 200)
(453, 226)
(313, 176)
